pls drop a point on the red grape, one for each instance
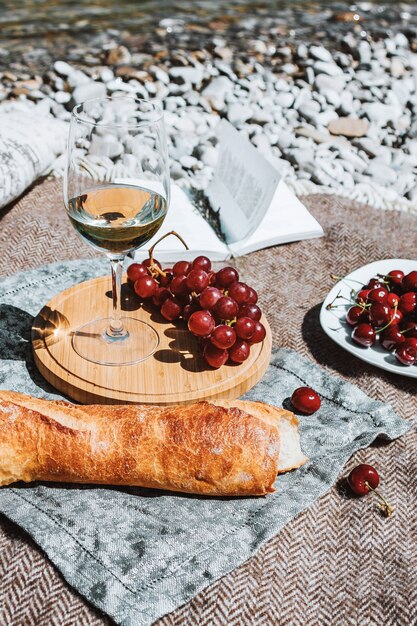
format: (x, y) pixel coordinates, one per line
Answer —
(209, 297)
(253, 296)
(161, 294)
(239, 292)
(226, 276)
(135, 270)
(178, 285)
(250, 310)
(245, 328)
(165, 281)
(223, 337)
(197, 280)
(226, 308)
(201, 263)
(239, 352)
(147, 263)
(145, 286)
(201, 323)
(181, 268)
(188, 310)
(171, 309)
(215, 356)
(259, 333)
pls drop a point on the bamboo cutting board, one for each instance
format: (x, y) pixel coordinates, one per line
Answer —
(176, 373)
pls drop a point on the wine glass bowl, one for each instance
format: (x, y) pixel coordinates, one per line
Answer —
(116, 192)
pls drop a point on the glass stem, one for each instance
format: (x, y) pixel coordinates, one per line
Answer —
(116, 329)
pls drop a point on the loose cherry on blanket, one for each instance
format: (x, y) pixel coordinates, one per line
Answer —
(364, 479)
(306, 400)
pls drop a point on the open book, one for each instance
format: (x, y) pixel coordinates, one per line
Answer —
(255, 208)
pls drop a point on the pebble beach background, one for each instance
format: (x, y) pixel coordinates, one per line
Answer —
(327, 91)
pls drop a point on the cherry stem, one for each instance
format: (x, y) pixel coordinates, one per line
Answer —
(338, 297)
(153, 266)
(384, 505)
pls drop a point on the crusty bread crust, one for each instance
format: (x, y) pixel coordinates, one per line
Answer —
(201, 448)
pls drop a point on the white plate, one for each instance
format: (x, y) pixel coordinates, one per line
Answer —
(333, 321)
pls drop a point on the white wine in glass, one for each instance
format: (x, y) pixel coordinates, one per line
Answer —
(116, 192)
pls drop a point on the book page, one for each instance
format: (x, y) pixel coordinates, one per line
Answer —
(243, 184)
(187, 221)
(287, 219)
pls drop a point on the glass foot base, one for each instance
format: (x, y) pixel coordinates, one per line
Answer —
(92, 343)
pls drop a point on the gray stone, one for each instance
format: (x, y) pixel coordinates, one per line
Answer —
(289, 68)
(191, 75)
(332, 97)
(107, 146)
(381, 172)
(365, 52)
(62, 97)
(209, 156)
(77, 77)
(89, 90)
(284, 99)
(285, 139)
(106, 74)
(324, 82)
(381, 113)
(239, 113)
(321, 54)
(216, 91)
(63, 68)
(189, 162)
(331, 69)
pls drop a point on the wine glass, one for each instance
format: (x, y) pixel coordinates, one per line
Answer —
(116, 192)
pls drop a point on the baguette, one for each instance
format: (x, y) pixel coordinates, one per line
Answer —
(221, 448)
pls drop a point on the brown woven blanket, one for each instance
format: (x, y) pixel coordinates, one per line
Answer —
(339, 562)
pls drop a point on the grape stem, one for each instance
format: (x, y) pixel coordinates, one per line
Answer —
(153, 266)
(384, 505)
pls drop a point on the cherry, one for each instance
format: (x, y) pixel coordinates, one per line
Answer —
(380, 314)
(409, 282)
(356, 315)
(135, 270)
(259, 333)
(393, 299)
(391, 337)
(181, 268)
(223, 337)
(201, 263)
(226, 276)
(395, 278)
(239, 292)
(145, 287)
(409, 328)
(406, 354)
(197, 280)
(250, 310)
(408, 303)
(209, 297)
(239, 352)
(245, 328)
(171, 309)
(216, 357)
(411, 341)
(375, 283)
(201, 323)
(364, 335)
(363, 479)
(378, 294)
(226, 308)
(362, 295)
(306, 400)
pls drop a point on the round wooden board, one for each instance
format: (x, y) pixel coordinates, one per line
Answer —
(175, 374)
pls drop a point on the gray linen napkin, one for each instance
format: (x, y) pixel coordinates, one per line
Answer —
(138, 554)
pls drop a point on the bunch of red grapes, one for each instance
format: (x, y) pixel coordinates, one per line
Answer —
(218, 309)
(387, 308)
